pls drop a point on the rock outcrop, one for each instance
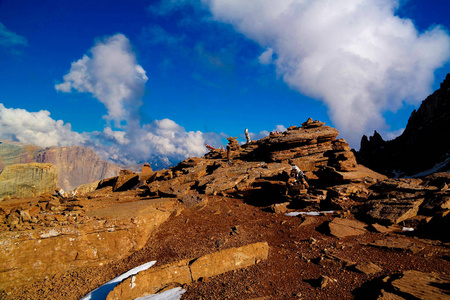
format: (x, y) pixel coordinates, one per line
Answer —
(422, 147)
(189, 270)
(27, 180)
(50, 235)
(245, 196)
(258, 171)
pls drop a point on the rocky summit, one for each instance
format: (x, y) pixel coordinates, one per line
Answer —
(290, 216)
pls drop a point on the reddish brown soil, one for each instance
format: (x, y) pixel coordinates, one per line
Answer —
(290, 272)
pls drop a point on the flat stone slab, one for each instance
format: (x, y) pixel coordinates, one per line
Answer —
(344, 227)
(423, 285)
(186, 271)
(397, 243)
(368, 268)
(393, 210)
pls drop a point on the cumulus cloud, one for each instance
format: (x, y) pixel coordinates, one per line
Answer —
(111, 74)
(158, 139)
(356, 56)
(36, 128)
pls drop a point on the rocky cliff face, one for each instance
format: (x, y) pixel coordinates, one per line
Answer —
(26, 180)
(77, 165)
(424, 145)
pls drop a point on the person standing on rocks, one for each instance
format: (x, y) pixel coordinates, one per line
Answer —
(247, 136)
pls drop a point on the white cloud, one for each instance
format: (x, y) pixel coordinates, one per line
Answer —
(266, 57)
(161, 138)
(355, 55)
(393, 134)
(112, 75)
(36, 128)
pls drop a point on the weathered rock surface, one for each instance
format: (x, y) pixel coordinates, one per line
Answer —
(215, 190)
(26, 180)
(185, 271)
(344, 227)
(421, 285)
(421, 147)
(368, 268)
(395, 201)
(392, 211)
(62, 234)
(397, 243)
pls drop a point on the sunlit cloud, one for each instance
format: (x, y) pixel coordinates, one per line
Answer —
(36, 128)
(111, 74)
(356, 56)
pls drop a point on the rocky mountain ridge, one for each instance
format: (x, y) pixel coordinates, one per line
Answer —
(423, 146)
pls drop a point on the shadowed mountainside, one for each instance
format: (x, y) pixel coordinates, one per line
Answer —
(424, 146)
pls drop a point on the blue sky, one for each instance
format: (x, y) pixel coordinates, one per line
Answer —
(196, 71)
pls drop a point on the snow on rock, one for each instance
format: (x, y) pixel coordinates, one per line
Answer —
(101, 292)
(172, 294)
(309, 213)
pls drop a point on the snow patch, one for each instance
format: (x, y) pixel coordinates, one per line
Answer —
(173, 294)
(133, 284)
(309, 213)
(101, 292)
(434, 169)
(407, 229)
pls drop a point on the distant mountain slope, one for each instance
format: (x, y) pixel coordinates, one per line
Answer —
(424, 146)
(75, 165)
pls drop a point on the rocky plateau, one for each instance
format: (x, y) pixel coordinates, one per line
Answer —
(238, 224)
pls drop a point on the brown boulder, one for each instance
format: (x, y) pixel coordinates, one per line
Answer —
(126, 180)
